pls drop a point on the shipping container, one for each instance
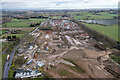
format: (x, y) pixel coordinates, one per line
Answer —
(29, 62)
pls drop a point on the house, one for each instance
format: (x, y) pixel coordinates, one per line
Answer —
(27, 74)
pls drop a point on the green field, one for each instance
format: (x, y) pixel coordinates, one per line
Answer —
(110, 31)
(89, 15)
(2, 32)
(17, 35)
(23, 22)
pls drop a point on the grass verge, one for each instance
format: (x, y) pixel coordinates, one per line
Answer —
(76, 67)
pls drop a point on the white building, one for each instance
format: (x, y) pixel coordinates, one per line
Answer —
(29, 74)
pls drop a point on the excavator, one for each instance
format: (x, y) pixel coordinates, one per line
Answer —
(35, 56)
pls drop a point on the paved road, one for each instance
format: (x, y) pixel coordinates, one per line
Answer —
(6, 67)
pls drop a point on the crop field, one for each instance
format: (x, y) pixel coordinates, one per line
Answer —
(110, 31)
(23, 22)
(89, 15)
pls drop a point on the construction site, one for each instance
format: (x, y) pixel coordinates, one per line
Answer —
(66, 51)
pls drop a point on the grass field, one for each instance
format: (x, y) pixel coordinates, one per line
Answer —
(110, 31)
(2, 31)
(22, 30)
(23, 22)
(89, 15)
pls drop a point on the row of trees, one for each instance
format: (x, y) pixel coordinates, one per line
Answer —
(12, 38)
(35, 24)
(45, 28)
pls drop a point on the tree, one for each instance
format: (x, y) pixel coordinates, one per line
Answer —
(9, 38)
(31, 25)
(14, 38)
(20, 60)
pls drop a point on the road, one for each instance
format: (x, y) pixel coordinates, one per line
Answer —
(6, 67)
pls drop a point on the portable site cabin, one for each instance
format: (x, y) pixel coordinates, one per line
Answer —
(29, 62)
(8, 56)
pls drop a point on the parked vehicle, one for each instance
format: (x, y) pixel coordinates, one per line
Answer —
(8, 56)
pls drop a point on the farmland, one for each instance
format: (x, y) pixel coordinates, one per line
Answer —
(110, 31)
(2, 32)
(89, 15)
(17, 35)
(23, 22)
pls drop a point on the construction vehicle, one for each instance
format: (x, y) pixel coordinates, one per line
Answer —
(35, 56)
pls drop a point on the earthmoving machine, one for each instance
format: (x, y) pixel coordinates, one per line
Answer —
(36, 54)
